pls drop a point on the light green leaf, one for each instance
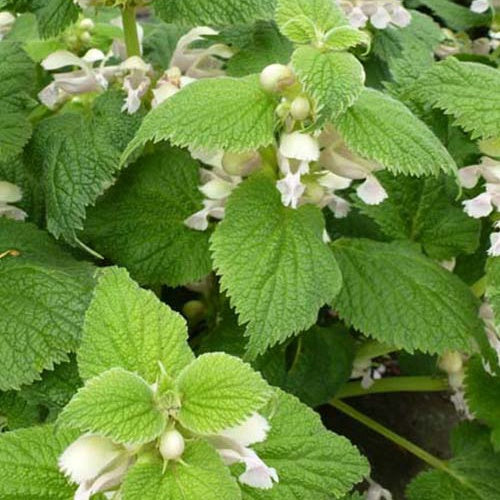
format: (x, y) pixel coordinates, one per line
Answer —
(17, 74)
(139, 223)
(80, 156)
(44, 293)
(199, 12)
(468, 91)
(54, 15)
(334, 79)
(311, 462)
(218, 391)
(128, 327)
(386, 131)
(482, 392)
(28, 464)
(457, 17)
(117, 404)
(345, 37)
(397, 295)
(473, 470)
(273, 263)
(214, 113)
(200, 475)
(302, 21)
(425, 211)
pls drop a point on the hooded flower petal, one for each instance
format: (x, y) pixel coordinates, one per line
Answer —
(478, 207)
(299, 146)
(334, 182)
(60, 59)
(357, 18)
(339, 206)
(479, 6)
(469, 176)
(371, 191)
(251, 431)
(381, 18)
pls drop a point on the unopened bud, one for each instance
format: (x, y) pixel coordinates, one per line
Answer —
(86, 24)
(490, 147)
(451, 362)
(172, 445)
(9, 193)
(241, 163)
(300, 108)
(85, 37)
(276, 77)
(194, 310)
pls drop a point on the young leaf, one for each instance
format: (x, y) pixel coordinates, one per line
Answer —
(200, 475)
(44, 293)
(424, 210)
(302, 20)
(386, 131)
(397, 295)
(28, 464)
(273, 263)
(473, 472)
(117, 404)
(468, 91)
(79, 157)
(312, 463)
(128, 327)
(139, 223)
(334, 79)
(214, 113)
(199, 12)
(219, 391)
(482, 392)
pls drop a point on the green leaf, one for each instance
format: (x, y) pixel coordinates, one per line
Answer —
(345, 37)
(425, 211)
(456, 16)
(200, 475)
(334, 79)
(273, 263)
(386, 131)
(321, 362)
(54, 15)
(312, 463)
(44, 293)
(17, 74)
(79, 157)
(28, 464)
(139, 223)
(199, 12)
(473, 472)
(397, 295)
(214, 113)
(128, 327)
(219, 391)
(117, 404)
(482, 392)
(302, 21)
(159, 45)
(262, 45)
(468, 91)
(16, 412)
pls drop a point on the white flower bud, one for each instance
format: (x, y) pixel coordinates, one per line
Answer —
(9, 193)
(85, 37)
(172, 445)
(87, 24)
(300, 108)
(451, 362)
(85, 459)
(240, 163)
(276, 77)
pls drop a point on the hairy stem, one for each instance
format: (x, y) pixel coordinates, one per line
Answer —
(395, 438)
(130, 31)
(395, 384)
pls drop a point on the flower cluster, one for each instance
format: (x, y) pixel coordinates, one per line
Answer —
(96, 464)
(380, 13)
(489, 200)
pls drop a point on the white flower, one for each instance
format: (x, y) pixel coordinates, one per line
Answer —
(488, 168)
(136, 83)
(169, 84)
(7, 20)
(377, 492)
(380, 13)
(363, 368)
(199, 62)
(86, 79)
(276, 77)
(338, 206)
(483, 204)
(199, 220)
(10, 193)
(494, 250)
(234, 444)
(357, 18)
(291, 189)
(381, 18)
(95, 463)
(371, 191)
(480, 6)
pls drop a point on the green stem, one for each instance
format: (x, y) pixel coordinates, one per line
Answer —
(479, 287)
(372, 349)
(394, 384)
(130, 31)
(395, 438)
